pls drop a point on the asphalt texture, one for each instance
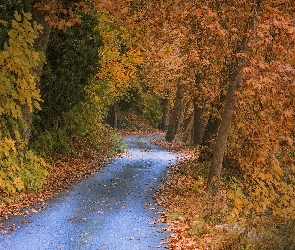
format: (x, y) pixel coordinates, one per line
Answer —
(113, 209)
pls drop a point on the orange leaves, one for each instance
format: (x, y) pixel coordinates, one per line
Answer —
(82, 7)
(125, 10)
(2, 22)
(289, 112)
(118, 66)
(59, 17)
(264, 126)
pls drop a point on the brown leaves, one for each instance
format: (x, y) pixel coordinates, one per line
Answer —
(60, 17)
(64, 172)
(189, 210)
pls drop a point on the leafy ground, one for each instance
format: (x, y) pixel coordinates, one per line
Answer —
(178, 195)
(196, 220)
(64, 171)
(69, 169)
(189, 211)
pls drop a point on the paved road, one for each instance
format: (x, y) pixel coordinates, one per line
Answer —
(111, 210)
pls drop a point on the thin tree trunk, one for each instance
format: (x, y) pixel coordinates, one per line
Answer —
(188, 130)
(113, 116)
(210, 132)
(165, 116)
(199, 124)
(40, 45)
(182, 114)
(173, 123)
(236, 79)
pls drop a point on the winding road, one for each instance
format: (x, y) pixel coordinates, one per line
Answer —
(111, 210)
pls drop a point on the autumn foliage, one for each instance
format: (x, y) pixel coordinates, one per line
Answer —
(19, 168)
(224, 71)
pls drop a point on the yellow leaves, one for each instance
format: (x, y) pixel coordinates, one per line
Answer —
(7, 146)
(6, 150)
(12, 34)
(19, 171)
(28, 16)
(18, 183)
(18, 87)
(118, 67)
(17, 16)
(276, 167)
(17, 61)
(2, 22)
(267, 191)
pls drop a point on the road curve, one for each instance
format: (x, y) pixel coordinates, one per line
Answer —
(111, 210)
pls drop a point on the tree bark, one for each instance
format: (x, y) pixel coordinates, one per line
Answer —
(188, 131)
(173, 124)
(199, 124)
(183, 109)
(236, 79)
(210, 132)
(165, 116)
(40, 45)
(113, 116)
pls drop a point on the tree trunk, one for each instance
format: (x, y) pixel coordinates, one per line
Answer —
(236, 79)
(181, 117)
(40, 45)
(113, 117)
(173, 124)
(165, 117)
(210, 132)
(188, 130)
(199, 124)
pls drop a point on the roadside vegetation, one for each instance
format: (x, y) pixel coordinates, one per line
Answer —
(199, 221)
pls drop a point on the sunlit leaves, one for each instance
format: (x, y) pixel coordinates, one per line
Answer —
(18, 87)
(119, 61)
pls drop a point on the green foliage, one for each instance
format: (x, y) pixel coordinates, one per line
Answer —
(147, 104)
(152, 108)
(82, 122)
(7, 9)
(75, 101)
(277, 236)
(72, 61)
(20, 171)
(49, 141)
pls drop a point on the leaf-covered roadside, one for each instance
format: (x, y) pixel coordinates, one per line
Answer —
(64, 171)
(199, 221)
(68, 169)
(189, 211)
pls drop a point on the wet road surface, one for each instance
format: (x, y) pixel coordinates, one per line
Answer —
(111, 210)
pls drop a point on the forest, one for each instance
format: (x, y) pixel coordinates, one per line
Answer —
(217, 77)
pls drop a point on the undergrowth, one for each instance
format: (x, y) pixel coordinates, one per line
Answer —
(200, 221)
